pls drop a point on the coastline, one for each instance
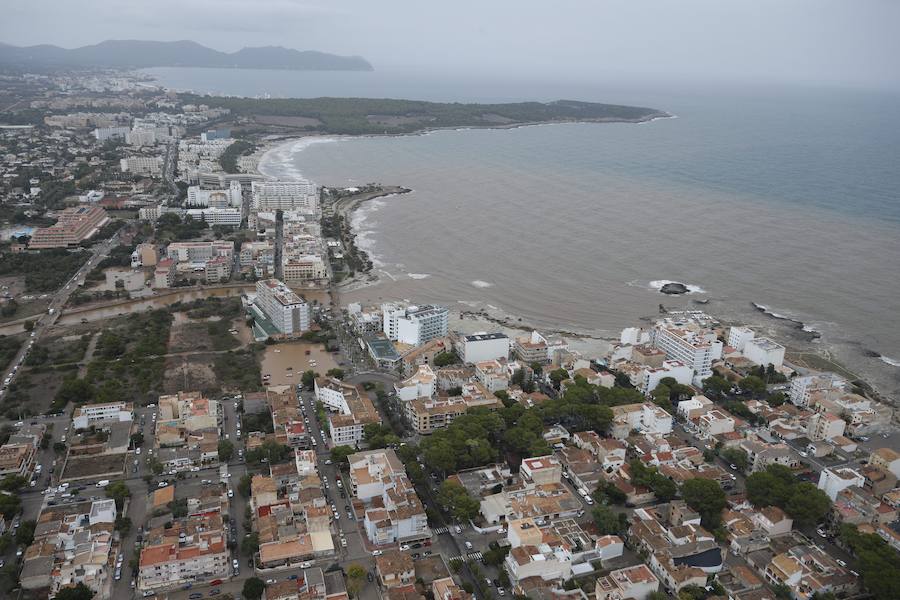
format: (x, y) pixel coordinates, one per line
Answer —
(805, 344)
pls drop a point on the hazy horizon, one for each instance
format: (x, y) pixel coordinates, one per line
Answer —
(825, 42)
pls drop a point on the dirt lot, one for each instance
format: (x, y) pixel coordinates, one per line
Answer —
(87, 467)
(190, 372)
(33, 391)
(203, 335)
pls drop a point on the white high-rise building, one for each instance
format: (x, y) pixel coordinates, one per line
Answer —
(230, 198)
(414, 325)
(286, 310)
(739, 336)
(695, 349)
(285, 195)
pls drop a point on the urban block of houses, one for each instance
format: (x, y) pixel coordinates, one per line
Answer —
(393, 512)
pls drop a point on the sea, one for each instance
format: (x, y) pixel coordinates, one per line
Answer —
(778, 206)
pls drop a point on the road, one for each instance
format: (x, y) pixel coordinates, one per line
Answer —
(57, 302)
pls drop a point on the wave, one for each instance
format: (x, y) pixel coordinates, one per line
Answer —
(418, 275)
(798, 324)
(888, 360)
(279, 163)
(481, 284)
(692, 289)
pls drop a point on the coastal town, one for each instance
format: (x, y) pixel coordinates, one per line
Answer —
(191, 409)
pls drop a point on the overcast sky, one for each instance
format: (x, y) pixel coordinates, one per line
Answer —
(844, 42)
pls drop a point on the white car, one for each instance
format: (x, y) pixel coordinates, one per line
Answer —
(163, 484)
(404, 547)
(231, 493)
(376, 552)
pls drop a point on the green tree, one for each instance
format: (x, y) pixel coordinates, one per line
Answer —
(444, 359)
(356, 578)
(250, 544)
(76, 592)
(878, 564)
(137, 439)
(6, 542)
(707, 498)
(335, 372)
(226, 451)
(25, 533)
(608, 521)
(456, 500)
(776, 399)
(10, 505)
(123, 525)
(737, 457)
(339, 454)
(118, 491)
(308, 379)
(557, 376)
(752, 385)
(12, 483)
(716, 386)
(244, 486)
(253, 588)
(807, 504)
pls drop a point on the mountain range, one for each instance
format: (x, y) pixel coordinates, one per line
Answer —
(141, 54)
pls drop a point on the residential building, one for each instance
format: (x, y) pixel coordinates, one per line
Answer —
(803, 387)
(199, 252)
(98, 414)
(227, 217)
(300, 196)
(72, 544)
(492, 375)
(715, 422)
(692, 347)
(739, 336)
(447, 589)
(144, 255)
(825, 426)
(630, 583)
(395, 568)
(480, 347)
(164, 274)
(146, 166)
(695, 407)
(887, 459)
(350, 410)
(427, 415)
(414, 325)
(73, 226)
(834, 479)
(281, 307)
(197, 557)
(420, 385)
(217, 198)
(393, 511)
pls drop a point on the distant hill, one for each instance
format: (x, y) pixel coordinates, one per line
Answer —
(141, 54)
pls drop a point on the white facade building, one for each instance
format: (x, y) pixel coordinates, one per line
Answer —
(230, 198)
(675, 369)
(285, 309)
(832, 481)
(95, 414)
(655, 420)
(300, 196)
(695, 349)
(739, 336)
(802, 387)
(147, 166)
(421, 324)
(482, 346)
(764, 351)
(103, 134)
(230, 217)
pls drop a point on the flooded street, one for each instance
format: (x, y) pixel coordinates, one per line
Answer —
(72, 316)
(279, 357)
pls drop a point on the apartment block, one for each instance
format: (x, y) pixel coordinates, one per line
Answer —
(281, 307)
(285, 195)
(98, 414)
(480, 347)
(73, 226)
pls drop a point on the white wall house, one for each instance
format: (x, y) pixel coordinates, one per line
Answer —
(480, 347)
(832, 481)
(764, 351)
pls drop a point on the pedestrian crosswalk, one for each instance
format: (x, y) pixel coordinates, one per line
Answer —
(469, 556)
(439, 530)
